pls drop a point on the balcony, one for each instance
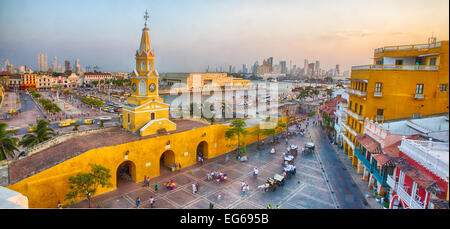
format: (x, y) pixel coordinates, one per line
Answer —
(395, 67)
(349, 129)
(391, 182)
(419, 96)
(350, 143)
(418, 47)
(431, 155)
(378, 94)
(361, 158)
(416, 203)
(379, 178)
(354, 115)
(403, 194)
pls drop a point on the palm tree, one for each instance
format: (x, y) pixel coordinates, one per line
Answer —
(237, 129)
(8, 144)
(42, 133)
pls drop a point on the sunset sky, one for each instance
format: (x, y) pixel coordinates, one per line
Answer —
(189, 35)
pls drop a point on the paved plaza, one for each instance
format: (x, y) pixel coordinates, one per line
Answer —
(308, 189)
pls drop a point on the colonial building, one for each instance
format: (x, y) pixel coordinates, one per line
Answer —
(144, 112)
(404, 81)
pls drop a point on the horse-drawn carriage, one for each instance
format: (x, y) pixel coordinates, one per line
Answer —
(292, 150)
(309, 147)
(273, 183)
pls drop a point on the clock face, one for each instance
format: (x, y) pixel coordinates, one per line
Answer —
(152, 87)
(134, 87)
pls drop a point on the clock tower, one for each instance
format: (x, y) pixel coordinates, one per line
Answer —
(145, 112)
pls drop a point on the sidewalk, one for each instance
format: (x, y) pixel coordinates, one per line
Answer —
(357, 178)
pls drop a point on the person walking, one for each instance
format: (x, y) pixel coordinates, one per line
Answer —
(152, 201)
(247, 189)
(148, 181)
(138, 201)
(59, 205)
(197, 187)
(156, 187)
(218, 198)
(255, 173)
(193, 188)
(243, 191)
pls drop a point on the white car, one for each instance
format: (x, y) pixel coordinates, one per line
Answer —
(104, 118)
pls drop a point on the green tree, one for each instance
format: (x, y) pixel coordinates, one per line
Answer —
(75, 128)
(8, 143)
(42, 133)
(237, 129)
(85, 185)
(274, 130)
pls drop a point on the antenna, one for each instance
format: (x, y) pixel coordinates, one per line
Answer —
(432, 39)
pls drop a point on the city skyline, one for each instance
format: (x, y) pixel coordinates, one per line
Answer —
(189, 36)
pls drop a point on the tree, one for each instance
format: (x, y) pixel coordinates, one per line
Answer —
(75, 128)
(8, 144)
(84, 185)
(258, 132)
(237, 129)
(274, 130)
(42, 133)
(329, 91)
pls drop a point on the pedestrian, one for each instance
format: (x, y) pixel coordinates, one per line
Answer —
(197, 187)
(255, 173)
(179, 165)
(145, 180)
(138, 201)
(277, 207)
(193, 188)
(218, 198)
(148, 181)
(269, 206)
(247, 189)
(287, 142)
(59, 205)
(156, 187)
(211, 205)
(243, 191)
(151, 201)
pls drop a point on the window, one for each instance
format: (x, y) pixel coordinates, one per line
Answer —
(379, 62)
(356, 107)
(350, 105)
(129, 118)
(152, 116)
(360, 109)
(378, 87)
(433, 61)
(398, 62)
(142, 87)
(444, 87)
(419, 89)
(380, 112)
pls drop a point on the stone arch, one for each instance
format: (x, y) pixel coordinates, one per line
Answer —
(167, 158)
(202, 150)
(125, 173)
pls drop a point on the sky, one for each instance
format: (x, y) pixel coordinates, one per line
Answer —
(187, 36)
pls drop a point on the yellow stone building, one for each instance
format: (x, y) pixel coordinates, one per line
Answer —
(403, 82)
(144, 112)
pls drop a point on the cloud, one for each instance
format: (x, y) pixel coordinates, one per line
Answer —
(346, 34)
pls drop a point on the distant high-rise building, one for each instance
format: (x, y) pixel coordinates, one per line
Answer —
(270, 63)
(5, 64)
(42, 62)
(255, 67)
(77, 66)
(337, 70)
(310, 69)
(244, 69)
(55, 64)
(67, 65)
(283, 68)
(317, 68)
(305, 67)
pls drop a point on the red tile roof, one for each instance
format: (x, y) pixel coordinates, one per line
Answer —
(420, 178)
(368, 143)
(384, 159)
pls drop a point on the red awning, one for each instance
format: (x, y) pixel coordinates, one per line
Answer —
(368, 143)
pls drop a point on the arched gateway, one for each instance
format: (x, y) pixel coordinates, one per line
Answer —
(126, 173)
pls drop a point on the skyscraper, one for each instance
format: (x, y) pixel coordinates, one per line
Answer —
(5, 65)
(283, 67)
(317, 68)
(55, 64)
(77, 66)
(67, 65)
(305, 67)
(270, 63)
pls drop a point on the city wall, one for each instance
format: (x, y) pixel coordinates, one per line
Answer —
(46, 188)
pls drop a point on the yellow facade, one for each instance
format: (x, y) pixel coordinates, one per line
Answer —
(145, 112)
(46, 188)
(213, 79)
(403, 82)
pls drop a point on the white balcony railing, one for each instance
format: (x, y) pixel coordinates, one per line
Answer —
(408, 47)
(403, 194)
(419, 96)
(354, 115)
(377, 94)
(416, 203)
(350, 143)
(379, 118)
(396, 67)
(356, 92)
(432, 155)
(391, 182)
(349, 129)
